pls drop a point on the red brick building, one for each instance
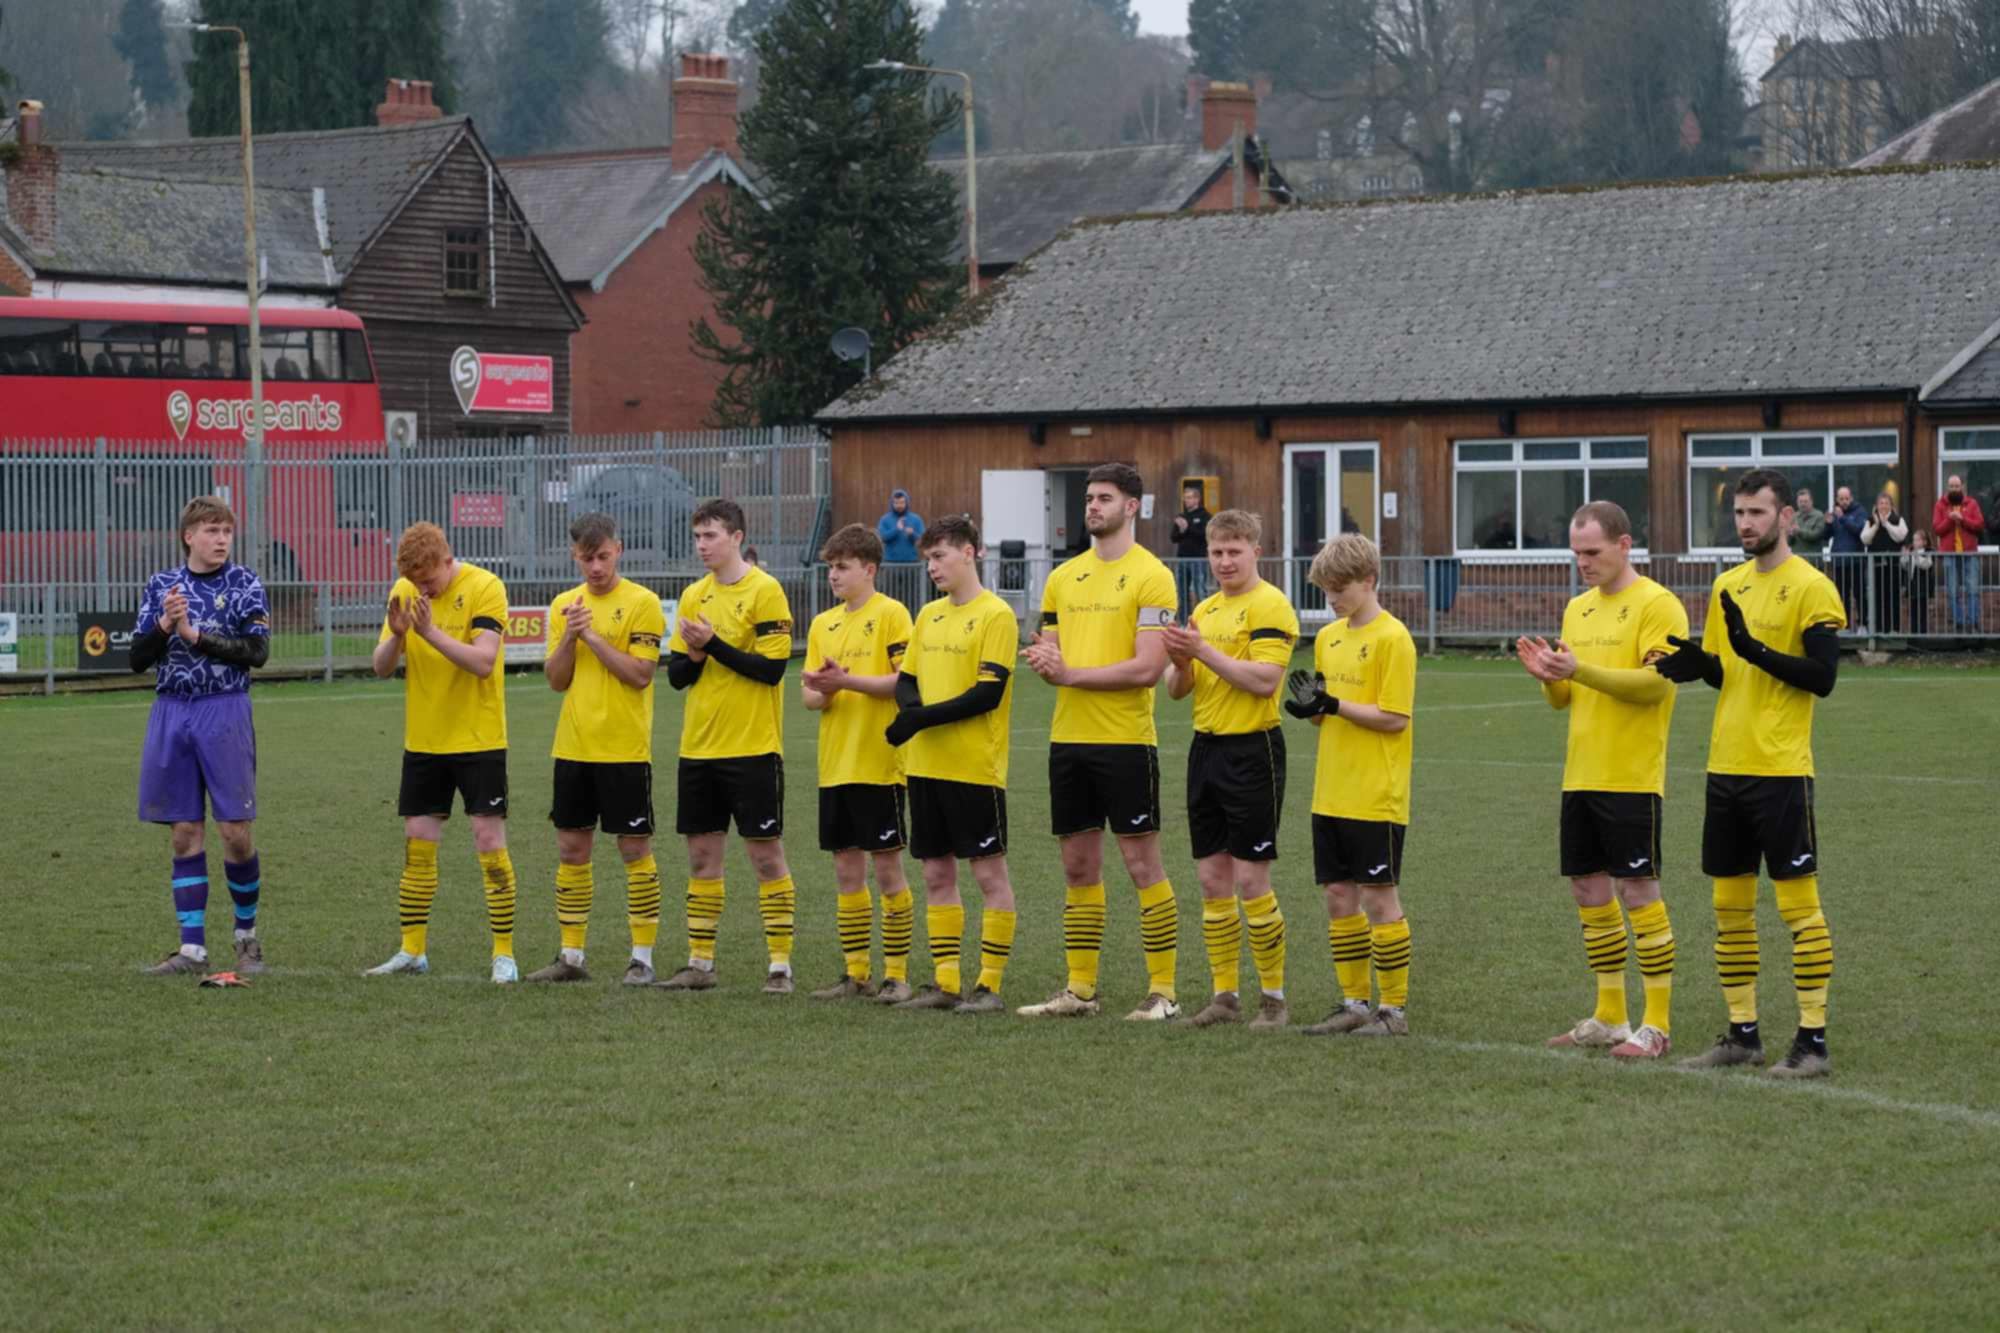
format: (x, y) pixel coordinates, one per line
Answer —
(621, 227)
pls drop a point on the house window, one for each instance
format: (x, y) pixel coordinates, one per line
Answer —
(1519, 495)
(1973, 454)
(464, 261)
(1377, 186)
(1819, 461)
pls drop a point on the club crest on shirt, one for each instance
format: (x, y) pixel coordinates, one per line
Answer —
(458, 602)
(618, 614)
(1623, 613)
(867, 628)
(1120, 585)
(1784, 590)
(1362, 656)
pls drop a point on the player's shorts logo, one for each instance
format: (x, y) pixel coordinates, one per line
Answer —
(96, 641)
(180, 412)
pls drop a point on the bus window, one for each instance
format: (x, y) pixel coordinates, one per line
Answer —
(354, 358)
(198, 351)
(37, 347)
(120, 349)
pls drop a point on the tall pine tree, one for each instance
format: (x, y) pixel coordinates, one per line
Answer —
(314, 66)
(549, 51)
(142, 39)
(855, 227)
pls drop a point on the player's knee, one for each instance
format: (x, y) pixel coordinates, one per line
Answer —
(188, 838)
(1638, 893)
(768, 860)
(1381, 905)
(634, 849)
(488, 834)
(1591, 890)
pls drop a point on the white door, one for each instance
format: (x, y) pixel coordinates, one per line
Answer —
(1014, 506)
(1329, 488)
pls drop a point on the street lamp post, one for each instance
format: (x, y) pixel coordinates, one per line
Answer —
(971, 165)
(254, 440)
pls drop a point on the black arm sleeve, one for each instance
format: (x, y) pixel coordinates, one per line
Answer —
(148, 649)
(246, 650)
(981, 698)
(907, 693)
(682, 670)
(764, 670)
(1711, 671)
(1815, 671)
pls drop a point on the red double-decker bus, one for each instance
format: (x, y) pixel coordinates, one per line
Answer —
(112, 413)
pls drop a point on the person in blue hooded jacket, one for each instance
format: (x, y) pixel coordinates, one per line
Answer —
(899, 530)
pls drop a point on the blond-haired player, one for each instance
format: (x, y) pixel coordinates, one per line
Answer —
(1231, 656)
(1614, 773)
(854, 651)
(602, 651)
(1360, 695)
(444, 622)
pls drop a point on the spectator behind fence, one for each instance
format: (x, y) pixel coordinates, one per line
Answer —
(1957, 522)
(1884, 536)
(1809, 528)
(1191, 551)
(901, 577)
(1920, 578)
(1844, 523)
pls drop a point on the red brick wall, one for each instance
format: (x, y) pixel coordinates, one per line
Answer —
(14, 280)
(637, 344)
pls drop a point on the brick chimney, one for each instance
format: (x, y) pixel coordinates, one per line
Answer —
(31, 181)
(1223, 105)
(406, 102)
(704, 109)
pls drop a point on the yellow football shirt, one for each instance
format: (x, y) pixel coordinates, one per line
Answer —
(1615, 745)
(1763, 727)
(1098, 609)
(1259, 626)
(952, 649)
(1363, 774)
(604, 720)
(730, 716)
(868, 642)
(446, 710)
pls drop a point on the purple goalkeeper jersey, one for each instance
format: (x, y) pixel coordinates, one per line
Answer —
(229, 601)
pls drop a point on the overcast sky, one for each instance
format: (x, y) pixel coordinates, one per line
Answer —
(1753, 38)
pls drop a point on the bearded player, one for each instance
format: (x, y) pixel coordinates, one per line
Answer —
(1771, 645)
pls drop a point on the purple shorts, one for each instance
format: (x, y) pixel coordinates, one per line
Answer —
(196, 748)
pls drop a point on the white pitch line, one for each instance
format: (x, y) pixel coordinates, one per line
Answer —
(1948, 1111)
(258, 699)
(1920, 778)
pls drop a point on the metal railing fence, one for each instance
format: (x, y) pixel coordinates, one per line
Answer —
(325, 627)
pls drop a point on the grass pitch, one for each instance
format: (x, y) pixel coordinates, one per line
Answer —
(323, 1150)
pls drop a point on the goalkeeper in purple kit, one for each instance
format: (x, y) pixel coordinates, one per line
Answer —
(201, 628)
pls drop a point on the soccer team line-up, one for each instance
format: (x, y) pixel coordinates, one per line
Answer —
(914, 728)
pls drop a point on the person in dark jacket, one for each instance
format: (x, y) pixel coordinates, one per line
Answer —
(1884, 536)
(1191, 550)
(1843, 524)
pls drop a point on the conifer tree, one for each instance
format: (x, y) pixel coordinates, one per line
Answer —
(855, 227)
(313, 66)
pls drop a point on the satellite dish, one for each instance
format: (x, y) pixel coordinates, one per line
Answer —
(853, 344)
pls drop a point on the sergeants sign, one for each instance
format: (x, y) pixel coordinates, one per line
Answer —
(493, 382)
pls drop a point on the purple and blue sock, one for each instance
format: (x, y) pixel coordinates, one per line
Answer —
(191, 898)
(245, 879)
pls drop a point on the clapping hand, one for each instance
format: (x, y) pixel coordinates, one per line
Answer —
(1746, 645)
(827, 679)
(1045, 659)
(173, 609)
(1687, 663)
(901, 729)
(696, 632)
(1307, 699)
(420, 615)
(399, 617)
(576, 619)
(1183, 642)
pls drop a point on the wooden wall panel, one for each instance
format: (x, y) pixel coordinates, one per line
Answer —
(940, 463)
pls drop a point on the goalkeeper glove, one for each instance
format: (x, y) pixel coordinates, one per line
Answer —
(1308, 699)
(1687, 663)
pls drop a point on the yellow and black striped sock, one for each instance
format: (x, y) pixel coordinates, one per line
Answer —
(575, 888)
(1812, 946)
(899, 922)
(996, 945)
(1391, 941)
(854, 918)
(704, 915)
(415, 890)
(1160, 936)
(1267, 941)
(1083, 936)
(1604, 948)
(1348, 936)
(496, 869)
(1222, 932)
(642, 902)
(946, 928)
(1736, 945)
(1654, 937)
(778, 901)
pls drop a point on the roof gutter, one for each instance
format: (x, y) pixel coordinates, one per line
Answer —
(1278, 410)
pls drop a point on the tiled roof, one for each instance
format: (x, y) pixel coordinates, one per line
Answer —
(590, 211)
(138, 229)
(1966, 131)
(1750, 286)
(367, 172)
(1973, 376)
(1026, 198)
